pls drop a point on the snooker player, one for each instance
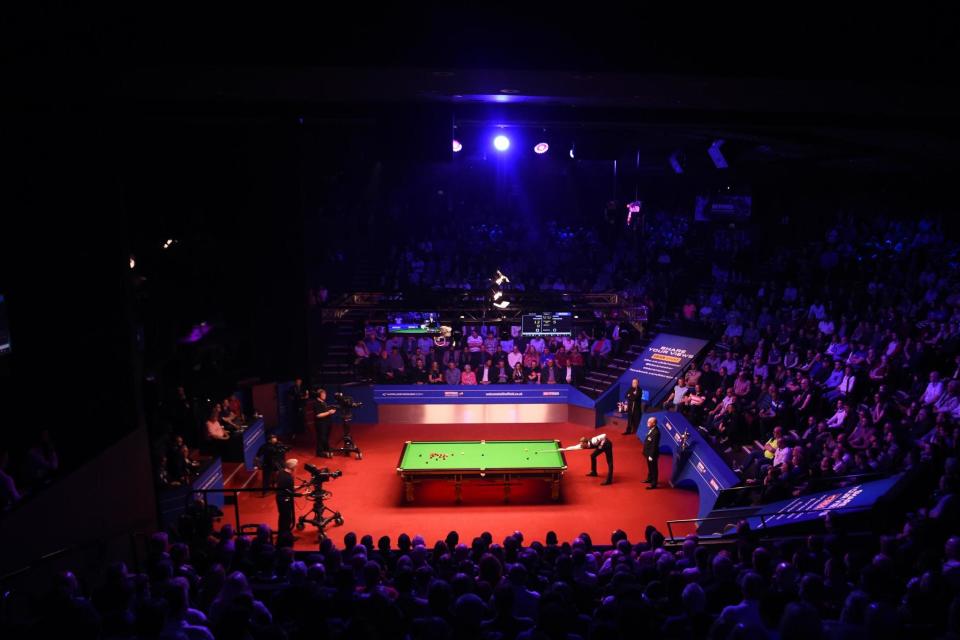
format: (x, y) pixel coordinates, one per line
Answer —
(600, 444)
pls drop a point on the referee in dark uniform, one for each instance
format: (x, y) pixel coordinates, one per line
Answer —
(651, 449)
(599, 444)
(285, 495)
(634, 406)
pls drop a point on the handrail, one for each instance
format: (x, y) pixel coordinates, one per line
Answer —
(876, 474)
(57, 553)
(763, 517)
(189, 495)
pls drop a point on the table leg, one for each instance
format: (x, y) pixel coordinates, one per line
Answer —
(555, 489)
(408, 490)
(458, 488)
(506, 488)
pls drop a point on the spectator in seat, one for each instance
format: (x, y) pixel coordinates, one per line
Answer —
(435, 376)
(396, 365)
(515, 357)
(550, 374)
(538, 345)
(452, 374)
(933, 390)
(531, 358)
(533, 375)
(468, 377)
(600, 352)
(418, 374)
(486, 373)
(361, 352)
(839, 418)
(949, 402)
(518, 376)
(502, 373)
(675, 400)
(214, 429)
(844, 388)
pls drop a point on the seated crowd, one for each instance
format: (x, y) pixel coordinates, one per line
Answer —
(484, 356)
(855, 372)
(199, 582)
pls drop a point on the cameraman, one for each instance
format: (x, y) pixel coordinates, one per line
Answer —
(285, 495)
(271, 458)
(324, 416)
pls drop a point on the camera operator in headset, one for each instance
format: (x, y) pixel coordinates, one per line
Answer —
(324, 415)
(270, 459)
(285, 495)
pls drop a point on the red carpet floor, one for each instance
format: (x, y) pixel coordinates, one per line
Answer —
(370, 496)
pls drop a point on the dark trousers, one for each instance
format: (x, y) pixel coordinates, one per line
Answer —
(633, 420)
(607, 450)
(269, 476)
(285, 509)
(653, 471)
(323, 436)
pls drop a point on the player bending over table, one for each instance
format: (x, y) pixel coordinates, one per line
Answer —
(600, 444)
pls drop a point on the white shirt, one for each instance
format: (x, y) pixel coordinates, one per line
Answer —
(486, 374)
(596, 441)
(781, 456)
(537, 344)
(837, 419)
(933, 392)
(846, 385)
(514, 358)
(474, 343)
(826, 327)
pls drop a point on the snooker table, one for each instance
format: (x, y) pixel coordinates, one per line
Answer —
(484, 460)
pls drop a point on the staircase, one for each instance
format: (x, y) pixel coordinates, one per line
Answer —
(336, 364)
(597, 381)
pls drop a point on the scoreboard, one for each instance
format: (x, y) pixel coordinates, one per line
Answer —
(547, 323)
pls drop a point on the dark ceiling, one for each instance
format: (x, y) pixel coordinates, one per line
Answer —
(875, 90)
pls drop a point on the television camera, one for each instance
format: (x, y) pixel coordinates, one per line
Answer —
(345, 406)
(315, 493)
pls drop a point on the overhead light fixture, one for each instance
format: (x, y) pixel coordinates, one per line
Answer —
(500, 278)
(716, 155)
(501, 143)
(169, 243)
(502, 305)
(573, 151)
(497, 295)
(676, 161)
(541, 148)
(457, 147)
(133, 262)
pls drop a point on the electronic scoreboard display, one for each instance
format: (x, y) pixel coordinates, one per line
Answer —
(547, 323)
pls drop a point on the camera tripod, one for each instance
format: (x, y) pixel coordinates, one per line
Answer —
(349, 447)
(318, 513)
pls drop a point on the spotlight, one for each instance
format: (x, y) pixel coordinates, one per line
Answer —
(169, 243)
(501, 143)
(717, 155)
(500, 279)
(572, 154)
(677, 160)
(502, 305)
(457, 147)
(133, 262)
(497, 295)
(541, 148)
